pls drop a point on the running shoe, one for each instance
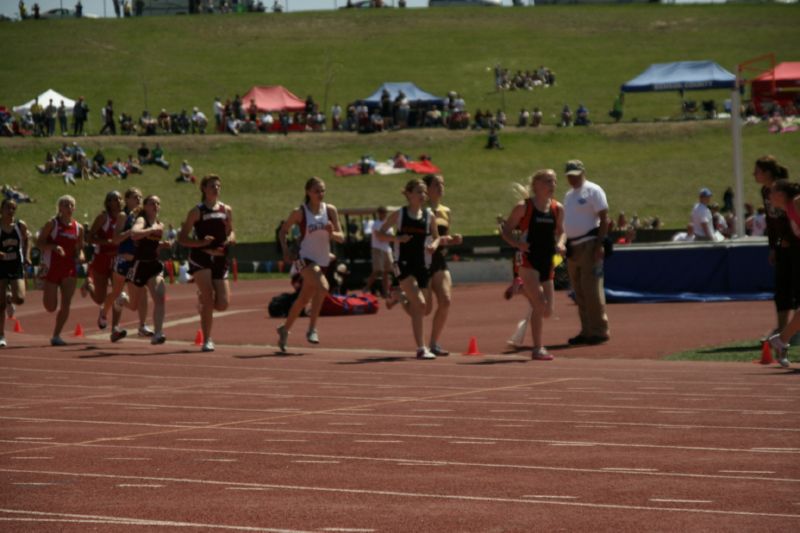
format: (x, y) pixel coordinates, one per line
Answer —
(424, 353)
(781, 350)
(514, 288)
(283, 338)
(541, 354)
(208, 346)
(57, 341)
(312, 336)
(121, 301)
(86, 288)
(158, 338)
(3, 342)
(438, 350)
(102, 321)
(145, 331)
(118, 334)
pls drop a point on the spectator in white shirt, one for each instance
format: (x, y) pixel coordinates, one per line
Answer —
(702, 219)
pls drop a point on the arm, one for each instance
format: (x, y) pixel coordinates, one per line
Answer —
(602, 233)
(138, 231)
(333, 225)
(294, 218)
(452, 238)
(561, 236)
(92, 237)
(435, 238)
(120, 234)
(79, 255)
(231, 235)
(43, 242)
(390, 222)
(184, 238)
(511, 224)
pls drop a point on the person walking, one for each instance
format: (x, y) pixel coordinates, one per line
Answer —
(319, 225)
(208, 233)
(61, 243)
(14, 254)
(540, 220)
(586, 227)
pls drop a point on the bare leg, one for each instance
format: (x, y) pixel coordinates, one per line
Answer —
(317, 299)
(416, 308)
(158, 291)
(535, 294)
(306, 293)
(442, 285)
(67, 290)
(202, 279)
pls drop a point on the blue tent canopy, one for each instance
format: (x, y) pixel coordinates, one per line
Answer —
(412, 92)
(681, 76)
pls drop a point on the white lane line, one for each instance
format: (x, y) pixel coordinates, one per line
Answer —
(776, 450)
(510, 426)
(76, 408)
(285, 440)
(508, 411)
(139, 485)
(31, 458)
(347, 530)
(128, 459)
(33, 438)
(544, 398)
(140, 408)
(418, 495)
(678, 412)
(32, 484)
(197, 440)
(190, 320)
(379, 441)
(191, 423)
(426, 425)
(471, 442)
(590, 411)
(219, 460)
(672, 500)
(347, 424)
(626, 469)
(655, 388)
(746, 471)
(585, 444)
(247, 488)
(316, 462)
(552, 496)
(432, 410)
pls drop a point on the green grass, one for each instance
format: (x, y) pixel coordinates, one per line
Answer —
(652, 169)
(743, 351)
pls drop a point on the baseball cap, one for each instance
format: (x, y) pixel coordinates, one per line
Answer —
(705, 192)
(574, 166)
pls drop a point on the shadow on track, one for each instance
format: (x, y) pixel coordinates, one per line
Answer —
(272, 354)
(368, 360)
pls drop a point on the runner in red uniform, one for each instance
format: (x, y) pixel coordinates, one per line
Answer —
(61, 242)
(101, 235)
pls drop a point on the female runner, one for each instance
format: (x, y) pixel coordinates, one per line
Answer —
(101, 235)
(319, 224)
(208, 232)
(61, 243)
(147, 270)
(441, 284)
(14, 254)
(785, 195)
(416, 238)
(541, 220)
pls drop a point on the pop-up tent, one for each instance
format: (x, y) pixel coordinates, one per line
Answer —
(681, 76)
(44, 100)
(693, 76)
(272, 99)
(413, 93)
(780, 85)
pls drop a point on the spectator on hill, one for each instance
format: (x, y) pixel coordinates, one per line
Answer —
(108, 119)
(144, 154)
(252, 110)
(61, 113)
(157, 157)
(402, 109)
(219, 111)
(536, 117)
(523, 118)
(78, 9)
(232, 125)
(310, 105)
(236, 107)
(267, 120)
(147, 123)
(685, 236)
(50, 113)
(199, 121)
(133, 165)
(23, 11)
(702, 219)
(16, 194)
(566, 117)
(164, 121)
(37, 112)
(186, 173)
(336, 117)
(493, 141)
(376, 121)
(616, 108)
(285, 121)
(80, 113)
(582, 116)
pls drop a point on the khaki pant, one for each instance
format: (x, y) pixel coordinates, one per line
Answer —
(588, 286)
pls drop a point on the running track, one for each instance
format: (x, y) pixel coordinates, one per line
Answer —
(357, 436)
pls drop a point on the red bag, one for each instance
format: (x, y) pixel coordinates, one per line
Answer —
(353, 304)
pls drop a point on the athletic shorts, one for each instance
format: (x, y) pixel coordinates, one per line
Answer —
(122, 266)
(200, 261)
(143, 271)
(542, 263)
(438, 262)
(102, 264)
(11, 270)
(61, 271)
(381, 260)
(420, 273)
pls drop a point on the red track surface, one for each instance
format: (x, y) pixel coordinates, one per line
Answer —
(356, 435)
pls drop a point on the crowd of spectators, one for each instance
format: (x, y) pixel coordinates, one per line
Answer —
(505, 80)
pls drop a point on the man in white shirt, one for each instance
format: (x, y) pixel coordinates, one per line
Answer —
(382, 259)
(702, 220)
(586, 226)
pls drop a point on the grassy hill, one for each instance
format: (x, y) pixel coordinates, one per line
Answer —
(179, 62)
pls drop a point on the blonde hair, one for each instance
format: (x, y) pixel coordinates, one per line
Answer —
(523, 192)
(65, 198)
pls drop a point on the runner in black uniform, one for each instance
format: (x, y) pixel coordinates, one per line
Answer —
(208, 233)
(415, 239)
(441, 283)
(147, 270)
(14, 254)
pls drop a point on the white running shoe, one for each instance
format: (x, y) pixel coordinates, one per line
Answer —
(312, 336)
(3, 342)
(208, 346)
(145, 331)
(102, 321)
(158, 338)
(424, 353)
(781, 350)
(283, 338)
(121, 301)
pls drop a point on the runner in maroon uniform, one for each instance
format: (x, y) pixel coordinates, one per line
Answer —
(101, 235)
(208, 232)
(14, 255)
(61, 242)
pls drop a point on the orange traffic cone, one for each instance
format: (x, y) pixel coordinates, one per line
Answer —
(472, 349)
(198, 338)
(78, 331)
(17, 326)
(766, 354)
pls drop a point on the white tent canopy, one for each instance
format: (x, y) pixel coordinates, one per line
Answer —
(44, 100)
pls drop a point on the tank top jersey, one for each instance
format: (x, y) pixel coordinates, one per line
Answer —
(794, 218)
(65, 236)
(147, 248)
(778, 227)
(106, 232)
(11, 246)
(413, 252)
(442, 217)
(315, 243)
(211, 222)
(127, 246)
(539, 229)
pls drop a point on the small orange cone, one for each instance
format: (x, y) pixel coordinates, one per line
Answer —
(472, 349)
(17, 326)
(78, 331)
(198, 338)
(766, 354)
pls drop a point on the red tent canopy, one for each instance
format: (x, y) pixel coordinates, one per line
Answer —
(273, 98)
(786, 89)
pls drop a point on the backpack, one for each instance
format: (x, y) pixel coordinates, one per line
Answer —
(279, 305)
(353, 304)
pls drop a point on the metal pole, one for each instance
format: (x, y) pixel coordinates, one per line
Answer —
(738, 174)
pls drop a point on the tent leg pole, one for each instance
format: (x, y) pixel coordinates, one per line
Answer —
(738, 174)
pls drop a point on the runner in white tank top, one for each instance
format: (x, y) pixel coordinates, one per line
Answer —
(319, 224)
